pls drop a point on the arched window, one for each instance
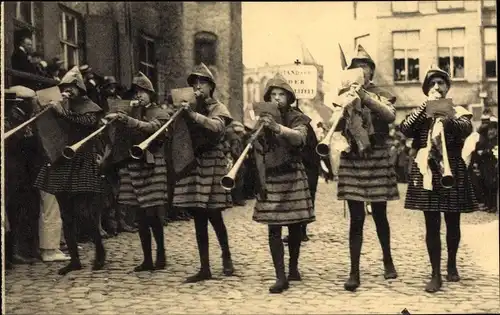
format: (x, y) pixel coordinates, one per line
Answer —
(249, 91)
(262, 87)
(256, 92)
(205, 48)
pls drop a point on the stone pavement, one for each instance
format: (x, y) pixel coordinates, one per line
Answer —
(324, 263)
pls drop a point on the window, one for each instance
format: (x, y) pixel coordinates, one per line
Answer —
(405, 54)
(263, 83)
(404, 6)
(450, 5)
(451, 52)
(147, 58)
(249, 90)
(490, 51)
(489, 3)
(69, 30)
(205, 48)
(25, 13)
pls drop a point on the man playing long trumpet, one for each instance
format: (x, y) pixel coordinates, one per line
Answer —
(76, 182)
(22, 163)
(365, 173)
(284, 198)
(143, 182)
(435, 160)
(198, 190)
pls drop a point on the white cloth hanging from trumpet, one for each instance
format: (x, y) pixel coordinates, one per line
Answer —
(422, 157)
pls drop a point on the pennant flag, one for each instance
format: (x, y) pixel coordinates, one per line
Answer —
(343, 61)
(307, 57)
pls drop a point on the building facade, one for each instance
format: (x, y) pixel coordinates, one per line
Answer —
(162, 39)
(254, 84)
(406, 37)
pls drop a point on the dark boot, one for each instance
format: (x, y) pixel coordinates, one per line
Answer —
(201, 222)
(435, 284)
(305, 237)
(69, 230)
(452, 275)
(158, 233)
(227, 265)
(145, 236)
(73, 265)
(124, 227)
(389, 269)
(100, 258)
(294, 251)
(100, 255)
(217, 222)
(278, 255)
(204, 273)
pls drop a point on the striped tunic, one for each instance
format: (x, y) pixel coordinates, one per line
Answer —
(143, 183)
(370, 178)
(201, 187)
(78, 175)
(288, 199)
(459, 198)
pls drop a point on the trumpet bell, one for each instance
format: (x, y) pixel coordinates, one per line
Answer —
(136, 152)
(447, 181)
(227, 182)
(69, 153)
(323, 149)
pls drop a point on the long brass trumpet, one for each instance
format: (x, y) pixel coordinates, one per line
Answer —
(26, 123)
(323, 148)
(227, 182)
(137, 151)
(69, 152)
(447, 179)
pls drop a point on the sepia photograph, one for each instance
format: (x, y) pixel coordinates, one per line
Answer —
(196, 157)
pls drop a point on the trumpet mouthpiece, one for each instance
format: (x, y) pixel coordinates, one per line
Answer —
(227, 183)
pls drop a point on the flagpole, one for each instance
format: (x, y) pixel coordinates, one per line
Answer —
(297, 62)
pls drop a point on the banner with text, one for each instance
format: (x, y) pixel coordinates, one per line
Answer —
(302, 79)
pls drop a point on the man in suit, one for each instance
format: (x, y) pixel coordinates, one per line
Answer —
(20, 59)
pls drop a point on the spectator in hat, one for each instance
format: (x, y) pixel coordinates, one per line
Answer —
(485, 164)
(54, 69)
(109, 91)
(91, 84)
(39, 64)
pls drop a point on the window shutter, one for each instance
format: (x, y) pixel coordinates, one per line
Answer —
(99, 44)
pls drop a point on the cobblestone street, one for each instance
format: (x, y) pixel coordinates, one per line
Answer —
(324, 263)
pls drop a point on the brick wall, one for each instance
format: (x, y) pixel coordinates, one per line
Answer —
(224, 20)
(114, 50)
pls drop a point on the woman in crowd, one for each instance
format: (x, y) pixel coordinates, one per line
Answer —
(425, 192)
